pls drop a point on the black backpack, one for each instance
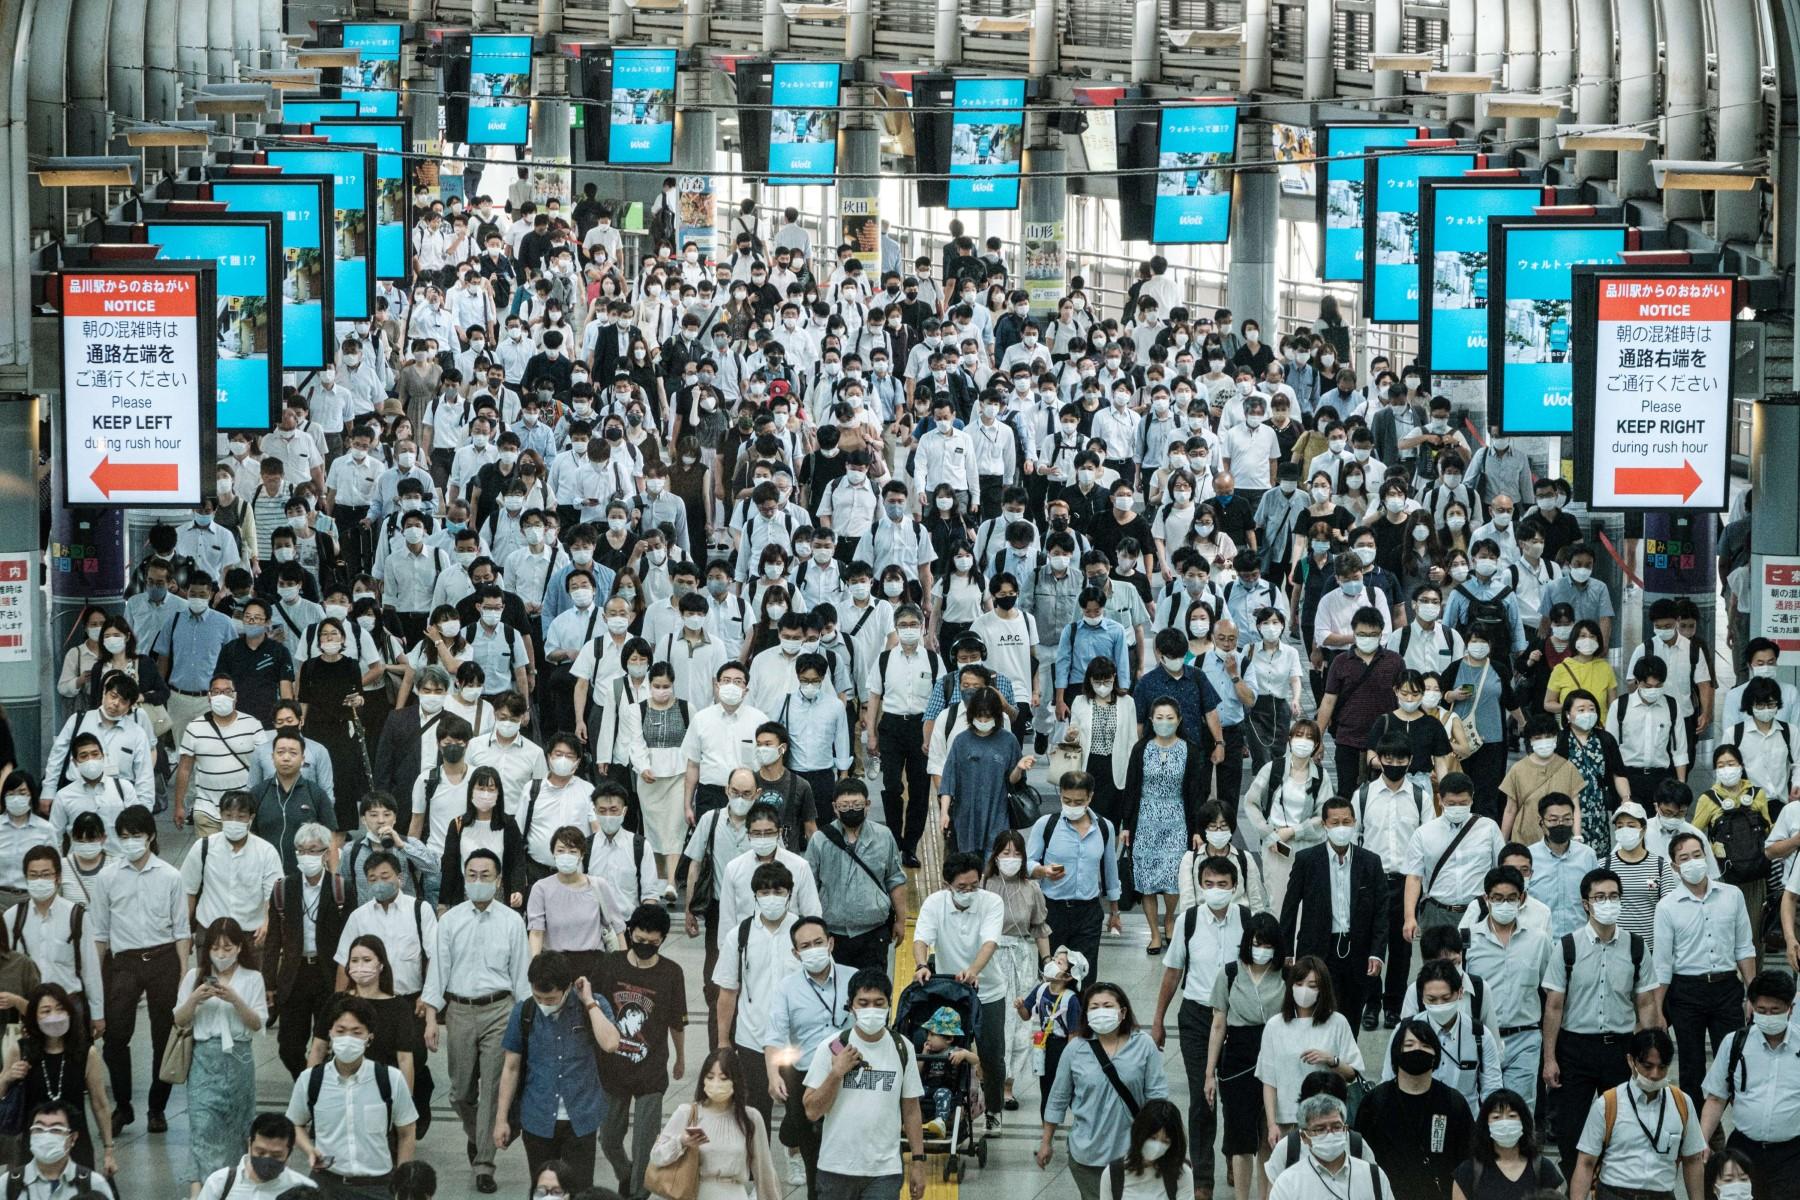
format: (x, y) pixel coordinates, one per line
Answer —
(1487, 617)
(1741, 831)
(384, 1086)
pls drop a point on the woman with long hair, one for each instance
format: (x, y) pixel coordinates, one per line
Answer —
(726, 1133)
(222, 999)
(1024, 942)
(55, 1060)
(1504, 1161)
(1085, 1094)
(1161, 819)
(1247, 995)
(1307, 1035)
(484, 825)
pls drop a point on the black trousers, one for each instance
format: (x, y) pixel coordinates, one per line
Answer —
(1349, 976)
(709, 989)
(1774, 1166)
(798, 1133)
(154, 976)
(354, 542)
(1227, 778)
(865, 950)
(1076, 924)
(1486, 768)
(300, 1008)
(754, 1069)
(1194, 1020)
(822, 783)
(988, 489)
(990, 1048)
(901, 741)
(573, 1148)
(1642, 783)
(1349, 762)
(1591, 1063)
(1397, 962)
(1697, 1008)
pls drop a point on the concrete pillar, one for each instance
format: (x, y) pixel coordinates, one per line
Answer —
(1255, 233)
(859, 153)
(1043, 57)
(550, 134)
(946, 46)
(774, 27)
(1775, 488)
(859, 29)
(1146, 42)
(483, 14)
(23, 687)
(1044, 195)
(621, 22)
(696, 23)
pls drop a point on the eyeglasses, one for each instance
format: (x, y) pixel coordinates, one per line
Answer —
(1320, 1130)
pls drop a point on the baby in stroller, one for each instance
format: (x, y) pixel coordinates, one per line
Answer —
(947, 1067)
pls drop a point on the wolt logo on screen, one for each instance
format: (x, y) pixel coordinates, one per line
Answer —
(803, 125)
(642, 107)
(986, 142)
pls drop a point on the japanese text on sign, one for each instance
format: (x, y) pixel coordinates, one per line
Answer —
(1780, 623)
(15, 608)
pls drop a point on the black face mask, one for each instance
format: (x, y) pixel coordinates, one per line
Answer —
(1558, 835)
(452, 752)
(1006, 603)
(1417, 1062)
(1393, 772)
(854, 817)
(266, 1168)
(645, 950)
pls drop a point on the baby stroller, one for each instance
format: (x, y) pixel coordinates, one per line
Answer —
(963, 1132)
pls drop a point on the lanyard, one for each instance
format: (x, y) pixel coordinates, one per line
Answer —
(1662, 1113)
(825, 997)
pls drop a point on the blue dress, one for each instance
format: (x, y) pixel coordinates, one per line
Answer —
(974, 777)
(1161, 835)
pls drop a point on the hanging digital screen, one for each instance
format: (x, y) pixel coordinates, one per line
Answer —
(1530, 375)
(388, 137)
(1453, 267)
(987, 140)
(1391, 229)
(499, 90)
(306, 316)
(1340, 200)
(1193, 195)
(246, 306)
(374, 83)
(305, 112)
(641, 111)
(352, 199)
(803, 122)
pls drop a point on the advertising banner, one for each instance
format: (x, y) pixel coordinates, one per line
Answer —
(499, 89)
(642, 109)
(1340, 200)
(392, 217)
(1193, 197)
(1391, 229)
(374, 83)
(1530, 375)
(352, 198)
(246, 307)
(1043, 270)
(1453, 267)
(803, 123)
(987, 139)
(306, 312)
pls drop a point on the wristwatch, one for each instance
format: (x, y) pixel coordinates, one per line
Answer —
(918, 1158)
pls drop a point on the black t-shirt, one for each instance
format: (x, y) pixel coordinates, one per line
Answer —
(1418, 1141)
(647, 1002)
(793, 796)
(1539, 1174)
(1426, 735)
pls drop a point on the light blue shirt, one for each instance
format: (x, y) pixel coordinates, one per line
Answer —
(804, 1014)
(1243, 602)
(1081, 643)
(1230, 708)
(498, 651)
(556, 595)
(1087, 866)
(387, 492)
(818, 732)
(1556, 880)
(192, 642)
(1456, 605)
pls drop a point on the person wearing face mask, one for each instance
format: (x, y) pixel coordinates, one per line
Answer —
(1347, 932)
(755, 956)
(1085, 1096)
(263, 1172)
(1643, 1135)
(737, 900)
(1337, 1164)
(1470, 1053)
(984, 761)
(963, 923)
(1747, 1079)
(223, 1002)
(1701, 937)
(1389, 810)
(1448, 857)
(46, 934)
(406, 925)
(1559, 862)
(334, 1107)
(1479, 690)
(1024, 943)
(231, 873)
(1687, 677)
(1543, 771)
(1652, 736)
(481, 950)
(720, 739)
(1648, 876)
(307, 910)
(1508, 947)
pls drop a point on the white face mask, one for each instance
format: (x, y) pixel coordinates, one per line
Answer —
(1104, 1020)
(1304, 997)
(1010, 865)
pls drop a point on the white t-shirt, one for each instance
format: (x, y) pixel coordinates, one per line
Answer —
(1009, 647)
(867, 1100)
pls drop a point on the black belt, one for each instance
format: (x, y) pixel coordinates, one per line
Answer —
(146, 953)
(1512, 1029)
(1605, 1039)
(365, 1180)
(1052, 903)
(1456, 908)
(1709, 978)
(477, 1001)
(182, 692)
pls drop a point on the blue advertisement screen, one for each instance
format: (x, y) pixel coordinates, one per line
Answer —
(304, 321)
(374, 83)
(1536, 394)
(247, 324)
(1458, 275)
(803, 124)
(1392, 228)
(987, 139)
(641, 113)
(1193, 197)
(350, 281)
(1342, 201)
(499, 90)
(305, 112)
(390, 186)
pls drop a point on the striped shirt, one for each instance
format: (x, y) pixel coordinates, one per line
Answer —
(221, 755)
(1642, 885)
(271, 514)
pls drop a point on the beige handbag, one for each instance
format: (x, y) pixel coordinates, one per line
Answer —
(178, 1055)
(680, 1180)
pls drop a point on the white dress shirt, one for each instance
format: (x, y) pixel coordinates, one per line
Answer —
(956, 936)
(236, 881)
(1630, 1160)
(755, 972)
(45, 939)
(720, 741)
(1217, 936)
(1701, 934)
(1388, 817)
(478, 951)
(398, 924)
(350, 1123)
(737, 901)
(1460, 879)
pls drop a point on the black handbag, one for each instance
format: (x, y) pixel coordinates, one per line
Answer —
(1128, 893)
(1023, 805)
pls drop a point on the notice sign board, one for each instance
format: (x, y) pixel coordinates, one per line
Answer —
(1778, 577)
(137, 364)
(1653, 388)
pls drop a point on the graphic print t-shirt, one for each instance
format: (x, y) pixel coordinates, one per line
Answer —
(869, 1099)
(646, 1002)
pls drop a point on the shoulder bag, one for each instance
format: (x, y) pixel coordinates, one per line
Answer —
(680, 1180)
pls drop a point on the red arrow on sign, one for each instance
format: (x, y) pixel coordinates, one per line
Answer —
(1681, 481)
(112, 477)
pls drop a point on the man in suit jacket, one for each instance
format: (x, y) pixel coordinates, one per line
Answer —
(307, 911)
(398, 755)
(1336, 907)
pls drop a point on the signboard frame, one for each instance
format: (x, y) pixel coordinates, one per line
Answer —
(1009, 94)
(391, 229)
(1375, 170)
(328, 282)
(376, 86)
(1348, 169)
(279, 158)
(204, 275)
(787, 166)
(271, 225)
(1430, 192)
(1586, 285)
(642, 62)
(492, 116)
(1770, 571)
(305, 110)
(1498, 234)
(1215, 226)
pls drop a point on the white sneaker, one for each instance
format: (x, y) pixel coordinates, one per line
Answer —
(796, 1170)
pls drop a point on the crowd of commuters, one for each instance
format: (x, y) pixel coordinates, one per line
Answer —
(594, 599)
